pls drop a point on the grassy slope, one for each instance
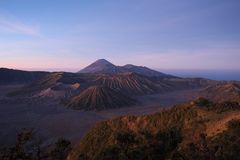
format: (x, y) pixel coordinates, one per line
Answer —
(172, 130)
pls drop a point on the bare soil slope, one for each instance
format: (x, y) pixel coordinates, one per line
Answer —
(98, 98)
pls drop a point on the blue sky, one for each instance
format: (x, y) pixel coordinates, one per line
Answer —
(164, 34)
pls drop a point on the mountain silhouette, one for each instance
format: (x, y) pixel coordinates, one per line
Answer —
(12, 76)
(144, 71)
(103, 66)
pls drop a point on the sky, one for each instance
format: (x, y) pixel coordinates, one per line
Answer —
(164, 34)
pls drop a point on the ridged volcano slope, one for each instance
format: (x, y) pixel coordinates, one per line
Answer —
(129, 83)
(98, 98)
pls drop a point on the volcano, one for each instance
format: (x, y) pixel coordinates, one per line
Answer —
(103, 66)
(98, 98)
(128, 83)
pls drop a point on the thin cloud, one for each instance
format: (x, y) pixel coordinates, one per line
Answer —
(216, 57)
(9, 25)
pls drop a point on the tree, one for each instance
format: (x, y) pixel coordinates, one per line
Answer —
(61, 149)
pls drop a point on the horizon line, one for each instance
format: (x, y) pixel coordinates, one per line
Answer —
(157, 69)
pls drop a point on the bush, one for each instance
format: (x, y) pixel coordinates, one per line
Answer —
(203, 102)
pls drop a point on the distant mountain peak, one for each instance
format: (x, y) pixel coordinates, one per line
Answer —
(143, 70)
(131, 66)
(103, 66)
(102, 61)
